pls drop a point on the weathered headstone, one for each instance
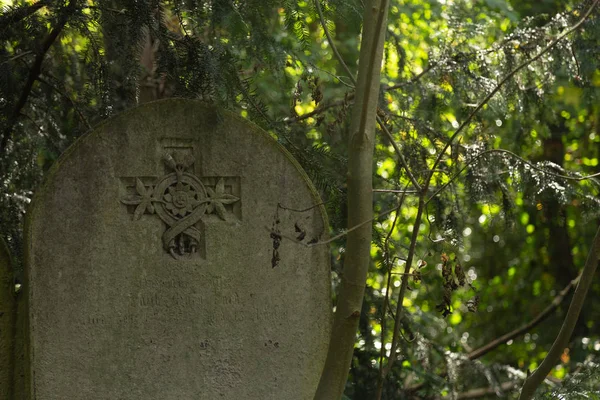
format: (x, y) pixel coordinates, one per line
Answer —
(7, 322)
(153, 271)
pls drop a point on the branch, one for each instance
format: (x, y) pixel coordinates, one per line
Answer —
(16, 57)
(388, 263)
(399, 191)
(413, 79)
(562, 340)
(510, 153)
(69, 99)
(320, 109)
(502, 82)
(34, 74)
(383, 372)
(480, 392)
(331, 44)
(336, 237)
(528, 326)
(399, 153)
(21, 13)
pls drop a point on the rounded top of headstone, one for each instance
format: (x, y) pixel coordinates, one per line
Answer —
(158, 268)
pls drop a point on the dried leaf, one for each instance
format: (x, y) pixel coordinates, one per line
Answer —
(473, 304)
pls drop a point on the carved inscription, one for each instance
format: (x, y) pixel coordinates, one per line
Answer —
(157, 296)
(182, 200)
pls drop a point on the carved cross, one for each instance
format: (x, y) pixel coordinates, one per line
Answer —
(182, 201)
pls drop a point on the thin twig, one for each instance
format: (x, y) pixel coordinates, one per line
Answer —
(319, 110)
(66, 96)
(398, 191)
(481, 351)
(413, 79)
(386, 247)
(336, 237)
(480, 392)
(512, 73)
(399, 153)
(23, 54)
(279, 205)
(399, 307)
(330, 40)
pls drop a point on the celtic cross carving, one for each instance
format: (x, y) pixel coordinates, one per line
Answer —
(181, 200)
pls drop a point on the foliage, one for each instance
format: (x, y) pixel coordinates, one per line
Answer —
(506, 200)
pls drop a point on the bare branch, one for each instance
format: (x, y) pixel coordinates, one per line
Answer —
(562, 340)
(16, 57)
(336, 237)
(399, 307)
(399, 153)
(528, 326)
(480, 392)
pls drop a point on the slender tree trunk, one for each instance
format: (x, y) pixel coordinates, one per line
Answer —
(562, 340)
(360, 204)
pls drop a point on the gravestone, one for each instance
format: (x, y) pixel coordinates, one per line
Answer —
(7, 322)
(157, 266)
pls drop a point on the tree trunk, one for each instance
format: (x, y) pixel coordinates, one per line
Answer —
(360, 203)
(562, 340)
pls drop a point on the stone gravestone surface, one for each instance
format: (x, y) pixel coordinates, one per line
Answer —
(153, 271)
(7, 322)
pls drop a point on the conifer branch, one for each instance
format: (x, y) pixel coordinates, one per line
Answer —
(511, 154)
(497, 88)
(34, 73)
(69, 99)
(22, 12)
